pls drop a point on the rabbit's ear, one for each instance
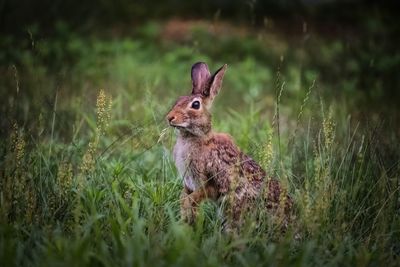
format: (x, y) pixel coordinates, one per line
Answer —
(200, 78)
(215, 83)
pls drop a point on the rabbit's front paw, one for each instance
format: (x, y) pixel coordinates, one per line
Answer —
(188, 210)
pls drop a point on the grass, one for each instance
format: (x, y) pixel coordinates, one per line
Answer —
(87, 177)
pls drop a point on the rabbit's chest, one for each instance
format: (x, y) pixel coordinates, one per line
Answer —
(184, 163)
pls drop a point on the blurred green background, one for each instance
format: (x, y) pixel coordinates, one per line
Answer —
(349, 47)
(311, 92)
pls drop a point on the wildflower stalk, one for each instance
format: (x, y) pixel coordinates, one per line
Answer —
(103, 105)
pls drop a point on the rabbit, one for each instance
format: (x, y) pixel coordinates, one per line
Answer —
(211, 165)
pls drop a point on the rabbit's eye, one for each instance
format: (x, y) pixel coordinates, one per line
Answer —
(196, 105)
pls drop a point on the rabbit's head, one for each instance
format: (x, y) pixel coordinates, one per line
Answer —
(191, 114)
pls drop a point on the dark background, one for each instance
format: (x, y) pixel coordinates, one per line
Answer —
(370, 27)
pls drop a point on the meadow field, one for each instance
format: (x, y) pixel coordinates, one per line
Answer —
(87, 176)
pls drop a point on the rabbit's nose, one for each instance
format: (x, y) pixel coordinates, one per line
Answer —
(170, 118)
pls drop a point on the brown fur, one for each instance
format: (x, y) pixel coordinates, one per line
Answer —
(210, 163)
